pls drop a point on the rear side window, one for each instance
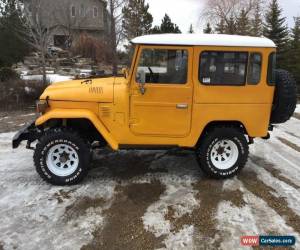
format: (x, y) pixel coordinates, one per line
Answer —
(271, 69)
(223, 68)
(254, 69)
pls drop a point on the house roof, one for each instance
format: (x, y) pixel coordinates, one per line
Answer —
(205, 39)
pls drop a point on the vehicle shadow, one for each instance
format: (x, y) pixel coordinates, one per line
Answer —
(131, 164)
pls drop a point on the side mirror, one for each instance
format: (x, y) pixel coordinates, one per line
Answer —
(125, 73)
(141, 79)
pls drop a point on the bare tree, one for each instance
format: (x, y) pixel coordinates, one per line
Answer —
(224, 10)
(38, 32)
(115, 29)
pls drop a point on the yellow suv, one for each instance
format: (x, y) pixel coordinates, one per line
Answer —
(210, 93)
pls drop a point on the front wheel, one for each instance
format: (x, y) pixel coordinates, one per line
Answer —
(61, 157)
(223, 152)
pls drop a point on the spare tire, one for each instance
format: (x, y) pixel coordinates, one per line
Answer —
(285, 97)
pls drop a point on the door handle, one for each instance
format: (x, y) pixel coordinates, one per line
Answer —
(182, 106)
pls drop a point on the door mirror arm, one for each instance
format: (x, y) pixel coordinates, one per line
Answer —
(141, 79)
(142, 88)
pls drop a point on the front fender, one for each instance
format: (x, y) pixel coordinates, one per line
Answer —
(79, 114)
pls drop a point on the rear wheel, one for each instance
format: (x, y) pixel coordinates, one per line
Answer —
(223, 152)
(61, 157)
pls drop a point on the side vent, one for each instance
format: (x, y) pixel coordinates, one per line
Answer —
(105, 111)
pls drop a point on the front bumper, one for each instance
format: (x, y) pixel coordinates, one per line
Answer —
(29, 133)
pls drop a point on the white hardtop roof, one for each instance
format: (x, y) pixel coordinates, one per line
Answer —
(205, 39)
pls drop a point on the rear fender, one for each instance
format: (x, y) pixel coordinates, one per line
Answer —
(79, 114)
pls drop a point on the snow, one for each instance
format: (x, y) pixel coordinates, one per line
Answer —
(205, 39)
(181, 240)
(180, 198)
(255, 218)
(31, 217)
(29, 208)
(52, 78)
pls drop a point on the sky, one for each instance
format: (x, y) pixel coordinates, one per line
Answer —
(187, 12)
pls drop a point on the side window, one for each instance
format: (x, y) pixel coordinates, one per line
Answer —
(73, 11)
(163, 66)
(95, 11)
(223, 68)
(271, 69)
(82, 10)
(254, 69)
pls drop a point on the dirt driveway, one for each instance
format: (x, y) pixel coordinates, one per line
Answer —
(150, 199)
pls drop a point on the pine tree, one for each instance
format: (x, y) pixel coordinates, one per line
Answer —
(293, 57)
(256, 22)
(12, 47)
(230, 27)
(208, 29)
(137, 20)
(243, 24)
(191, 29)
(155, 30)
(275, 28)
(167, 26)
(221, 26)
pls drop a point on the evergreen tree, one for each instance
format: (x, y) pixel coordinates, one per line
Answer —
(230, 27)
(243, 24)
(137, 20)
(191, 30)
(208, 29)
(275, 28)
(155, 30)
(167, 26)
(256, 22)
(221, 26)
(293, 57)
(12, 47)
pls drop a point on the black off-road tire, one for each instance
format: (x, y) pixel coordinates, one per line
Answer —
(56, 137)
(210, 139)
(285, 97)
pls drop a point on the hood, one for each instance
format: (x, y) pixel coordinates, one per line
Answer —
(91, 90)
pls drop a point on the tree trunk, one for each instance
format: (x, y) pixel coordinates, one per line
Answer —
(44, 68)
(113, 39)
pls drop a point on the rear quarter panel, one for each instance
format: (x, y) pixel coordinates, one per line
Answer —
(249, 104)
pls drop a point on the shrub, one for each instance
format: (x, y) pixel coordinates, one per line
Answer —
(7, 74)
(16, 93)
(90, 47)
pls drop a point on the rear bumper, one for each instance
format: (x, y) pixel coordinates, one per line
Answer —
(29, 133)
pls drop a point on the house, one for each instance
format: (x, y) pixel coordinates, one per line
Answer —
(70, 18)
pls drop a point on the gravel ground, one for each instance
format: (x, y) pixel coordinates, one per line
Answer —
(150, 199)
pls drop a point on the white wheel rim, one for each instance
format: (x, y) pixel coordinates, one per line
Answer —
(62, 160)
(224, 154)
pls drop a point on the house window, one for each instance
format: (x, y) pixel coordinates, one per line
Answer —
(82, 10)
(95, 12)
(254, 69)
(163, 66)
(223, 68)
(73, 11)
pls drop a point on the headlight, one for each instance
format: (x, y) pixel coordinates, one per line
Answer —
(41, 106)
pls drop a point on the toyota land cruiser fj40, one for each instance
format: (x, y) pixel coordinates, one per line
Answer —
(210, 93)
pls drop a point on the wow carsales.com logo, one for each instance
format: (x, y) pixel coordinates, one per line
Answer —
(268, 241)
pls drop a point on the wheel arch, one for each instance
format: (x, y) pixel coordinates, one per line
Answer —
(236, 124)
(79, 115)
